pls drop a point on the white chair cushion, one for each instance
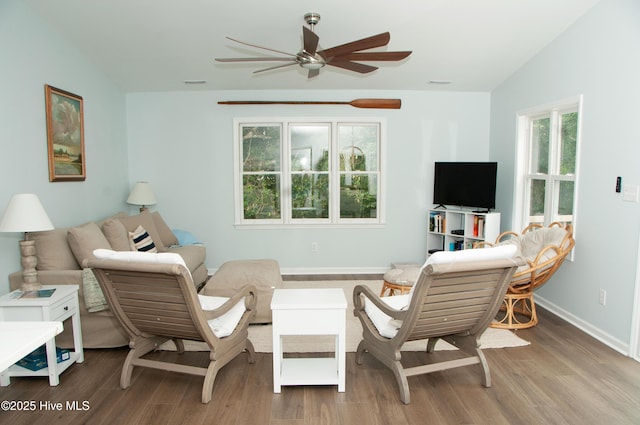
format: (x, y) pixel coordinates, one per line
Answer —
(224, 325)
(141, 257)
(386, 326)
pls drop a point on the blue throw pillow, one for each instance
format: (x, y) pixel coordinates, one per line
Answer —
(184, 237)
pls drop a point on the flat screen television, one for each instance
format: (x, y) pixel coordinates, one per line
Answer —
(465, 184)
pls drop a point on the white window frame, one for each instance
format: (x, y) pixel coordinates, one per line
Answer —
(552, 178)
(286, 219)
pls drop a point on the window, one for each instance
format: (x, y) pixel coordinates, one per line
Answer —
(547, 164)
(308, 172)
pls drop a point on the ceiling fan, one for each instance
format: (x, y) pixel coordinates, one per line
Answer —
(312, 59)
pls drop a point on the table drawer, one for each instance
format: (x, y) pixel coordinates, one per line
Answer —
(63, 309)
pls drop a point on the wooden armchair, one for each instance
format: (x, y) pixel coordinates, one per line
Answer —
(544, 249)
(155, 302)
(456, 296)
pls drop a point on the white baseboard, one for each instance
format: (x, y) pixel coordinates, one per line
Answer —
(607, 339)
(326, 270)
(335, 270)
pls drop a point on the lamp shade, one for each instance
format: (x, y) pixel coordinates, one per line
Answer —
(25, 213)
(141, 194)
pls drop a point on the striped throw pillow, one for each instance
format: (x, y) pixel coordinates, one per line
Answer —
(141, 241)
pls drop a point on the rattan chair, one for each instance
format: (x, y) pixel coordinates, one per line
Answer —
(456, 296)
(544, 249)
(156, 302)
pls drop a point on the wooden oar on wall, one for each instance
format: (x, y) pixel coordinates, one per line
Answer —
(358, 103)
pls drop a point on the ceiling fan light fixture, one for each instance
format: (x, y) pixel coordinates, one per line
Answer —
(309, 61)
(312, 65)
(346, 56)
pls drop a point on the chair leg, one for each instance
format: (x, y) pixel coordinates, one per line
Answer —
(360, 352)
(179, 345)
(209, 378)
(486, 373)
(139, 348)
(431, 344)
(251, 352)
(401, 379)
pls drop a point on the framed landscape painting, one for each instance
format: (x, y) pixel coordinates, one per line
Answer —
(65, 135)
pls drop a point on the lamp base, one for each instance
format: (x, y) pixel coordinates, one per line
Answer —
(29, 262)
(26, 287)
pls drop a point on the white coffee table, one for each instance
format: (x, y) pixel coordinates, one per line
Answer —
(309, 312)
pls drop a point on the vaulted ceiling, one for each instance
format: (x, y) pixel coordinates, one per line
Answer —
(157, 45)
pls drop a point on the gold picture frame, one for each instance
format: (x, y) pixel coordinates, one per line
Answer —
(65, 135)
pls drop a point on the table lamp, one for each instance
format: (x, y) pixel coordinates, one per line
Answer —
(26, 214)
(142, 195)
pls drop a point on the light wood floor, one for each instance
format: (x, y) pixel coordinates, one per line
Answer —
(563, 377)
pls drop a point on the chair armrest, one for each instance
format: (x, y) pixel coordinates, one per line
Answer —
(248, 292)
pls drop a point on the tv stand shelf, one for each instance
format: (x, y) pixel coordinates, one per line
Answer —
(451, 230)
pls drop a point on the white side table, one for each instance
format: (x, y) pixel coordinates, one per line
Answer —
(309, 312)
(62, 305)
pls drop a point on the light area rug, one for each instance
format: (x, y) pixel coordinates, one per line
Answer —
(261, 336)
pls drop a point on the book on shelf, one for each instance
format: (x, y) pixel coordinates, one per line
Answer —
(478, 226)
(437, 222)
(37, 359)
(38, 293)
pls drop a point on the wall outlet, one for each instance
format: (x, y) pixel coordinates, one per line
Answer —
(314, 246)
(603, 297)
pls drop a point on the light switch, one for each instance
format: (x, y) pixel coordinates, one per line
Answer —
(630, 192)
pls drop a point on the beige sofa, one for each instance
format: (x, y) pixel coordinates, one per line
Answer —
(62, 252)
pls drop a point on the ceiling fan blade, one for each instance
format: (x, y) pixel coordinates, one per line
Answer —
(310, 41)
(313, 73)
(274, 67)
(373, 56)
(263, 59)
(354, 46)
(260, 47)
(353, 66)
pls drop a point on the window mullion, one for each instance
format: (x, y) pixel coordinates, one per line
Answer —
(334, 176)
(554, 168)
(286, 173)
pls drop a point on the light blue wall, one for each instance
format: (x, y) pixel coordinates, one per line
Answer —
(598, 58)
(182, 143)
(32, 55)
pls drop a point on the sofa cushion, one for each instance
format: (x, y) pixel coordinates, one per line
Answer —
(53, 251)
(141, 241)
(166, 235)
(84, 239)
(193, 255)
(116, 234)
(145, 220)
